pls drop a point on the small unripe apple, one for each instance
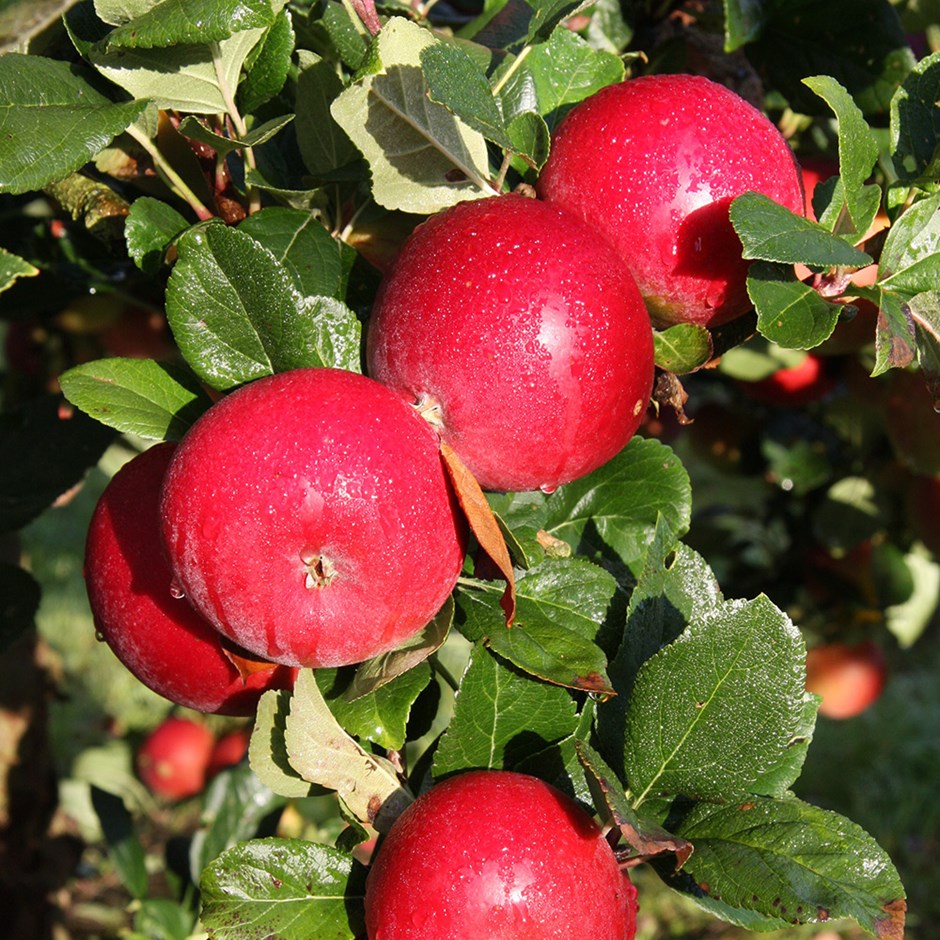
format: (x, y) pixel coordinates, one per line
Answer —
(497, 855)
(173, 759)
(654, 163)
(849, 677)
(309, 517)
(520, 332)
(158, 636)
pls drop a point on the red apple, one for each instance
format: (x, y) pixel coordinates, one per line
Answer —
(155, 634)
(849, 678)
(654, 164)
(522, 331)
(309, 517)
(228, 750)
(497, 855)
(173, 759)
(793, 386)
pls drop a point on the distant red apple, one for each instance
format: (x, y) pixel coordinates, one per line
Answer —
(173, 759)
(849, 678)
(808, 381)
(228, 750)
(653, 164)
(155, 633)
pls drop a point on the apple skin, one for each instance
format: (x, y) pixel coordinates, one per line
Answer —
(528, 333)
(849, 677)
(309, 517)
(164, 642)
(654, 164)
(173, 759)
(497, 855)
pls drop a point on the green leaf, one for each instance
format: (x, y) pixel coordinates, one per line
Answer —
(379, 716)
(861, 44)
(556, 75)
(267, 751)
(789, 860)
(460, 85)
(915, 124)
(682, 348)
(237, 316)
(13, 267)
(268, 65)
(192, 128)
(19, 601)
(317, 263)
(777, 780)
(530, 138)
(190, 22)
(188, 78)
(125, 850)
(502, 718)
(549, 14)
(323, 144)
(285, 888)
(423, 159)
(561, 607)
(52, 121)
(771, 232)
(234, 807)
(153, 400)
(924, 311)
(744, 20)
(48, 447)
(895, 335)
(789, 312)
(150, 228)
(23, 20)
(858, 151)
(910, 259)
(716, 708)
(615, 508)
(323, 753)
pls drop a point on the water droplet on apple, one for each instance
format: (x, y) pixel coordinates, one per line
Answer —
(176, 590)
(548, 488)
(99, 636)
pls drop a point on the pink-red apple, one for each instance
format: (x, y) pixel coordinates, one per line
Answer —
(228, 750)
(497, 855)
(654, 164)
(164, 642)
(518, 329)
(309, 517)
(793, 386)
(849, 677)
(173, 759)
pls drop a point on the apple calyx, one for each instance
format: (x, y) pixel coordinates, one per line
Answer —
(320, 571)
(429, 408)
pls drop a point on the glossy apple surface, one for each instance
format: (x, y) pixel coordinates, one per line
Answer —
(654, 164)
(309, 517)
(849, 677)
(173, 759)
(497, 855)
(525, 333)
(156, 635)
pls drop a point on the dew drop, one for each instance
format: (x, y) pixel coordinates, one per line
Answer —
(548, 488)
(176, 590)
(99, 636)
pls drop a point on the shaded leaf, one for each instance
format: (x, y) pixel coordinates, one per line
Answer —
(682, 348)
(910, 258)
(19, 601)
(267, 66)
(744, 20)
(150, 228)
(616, 507)
(13, 267)
(423, 159)
(291, 889)
(52, 121)
(192, 128)
(156, 401)
(915, 123)
(562, 606)
(502, 718)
